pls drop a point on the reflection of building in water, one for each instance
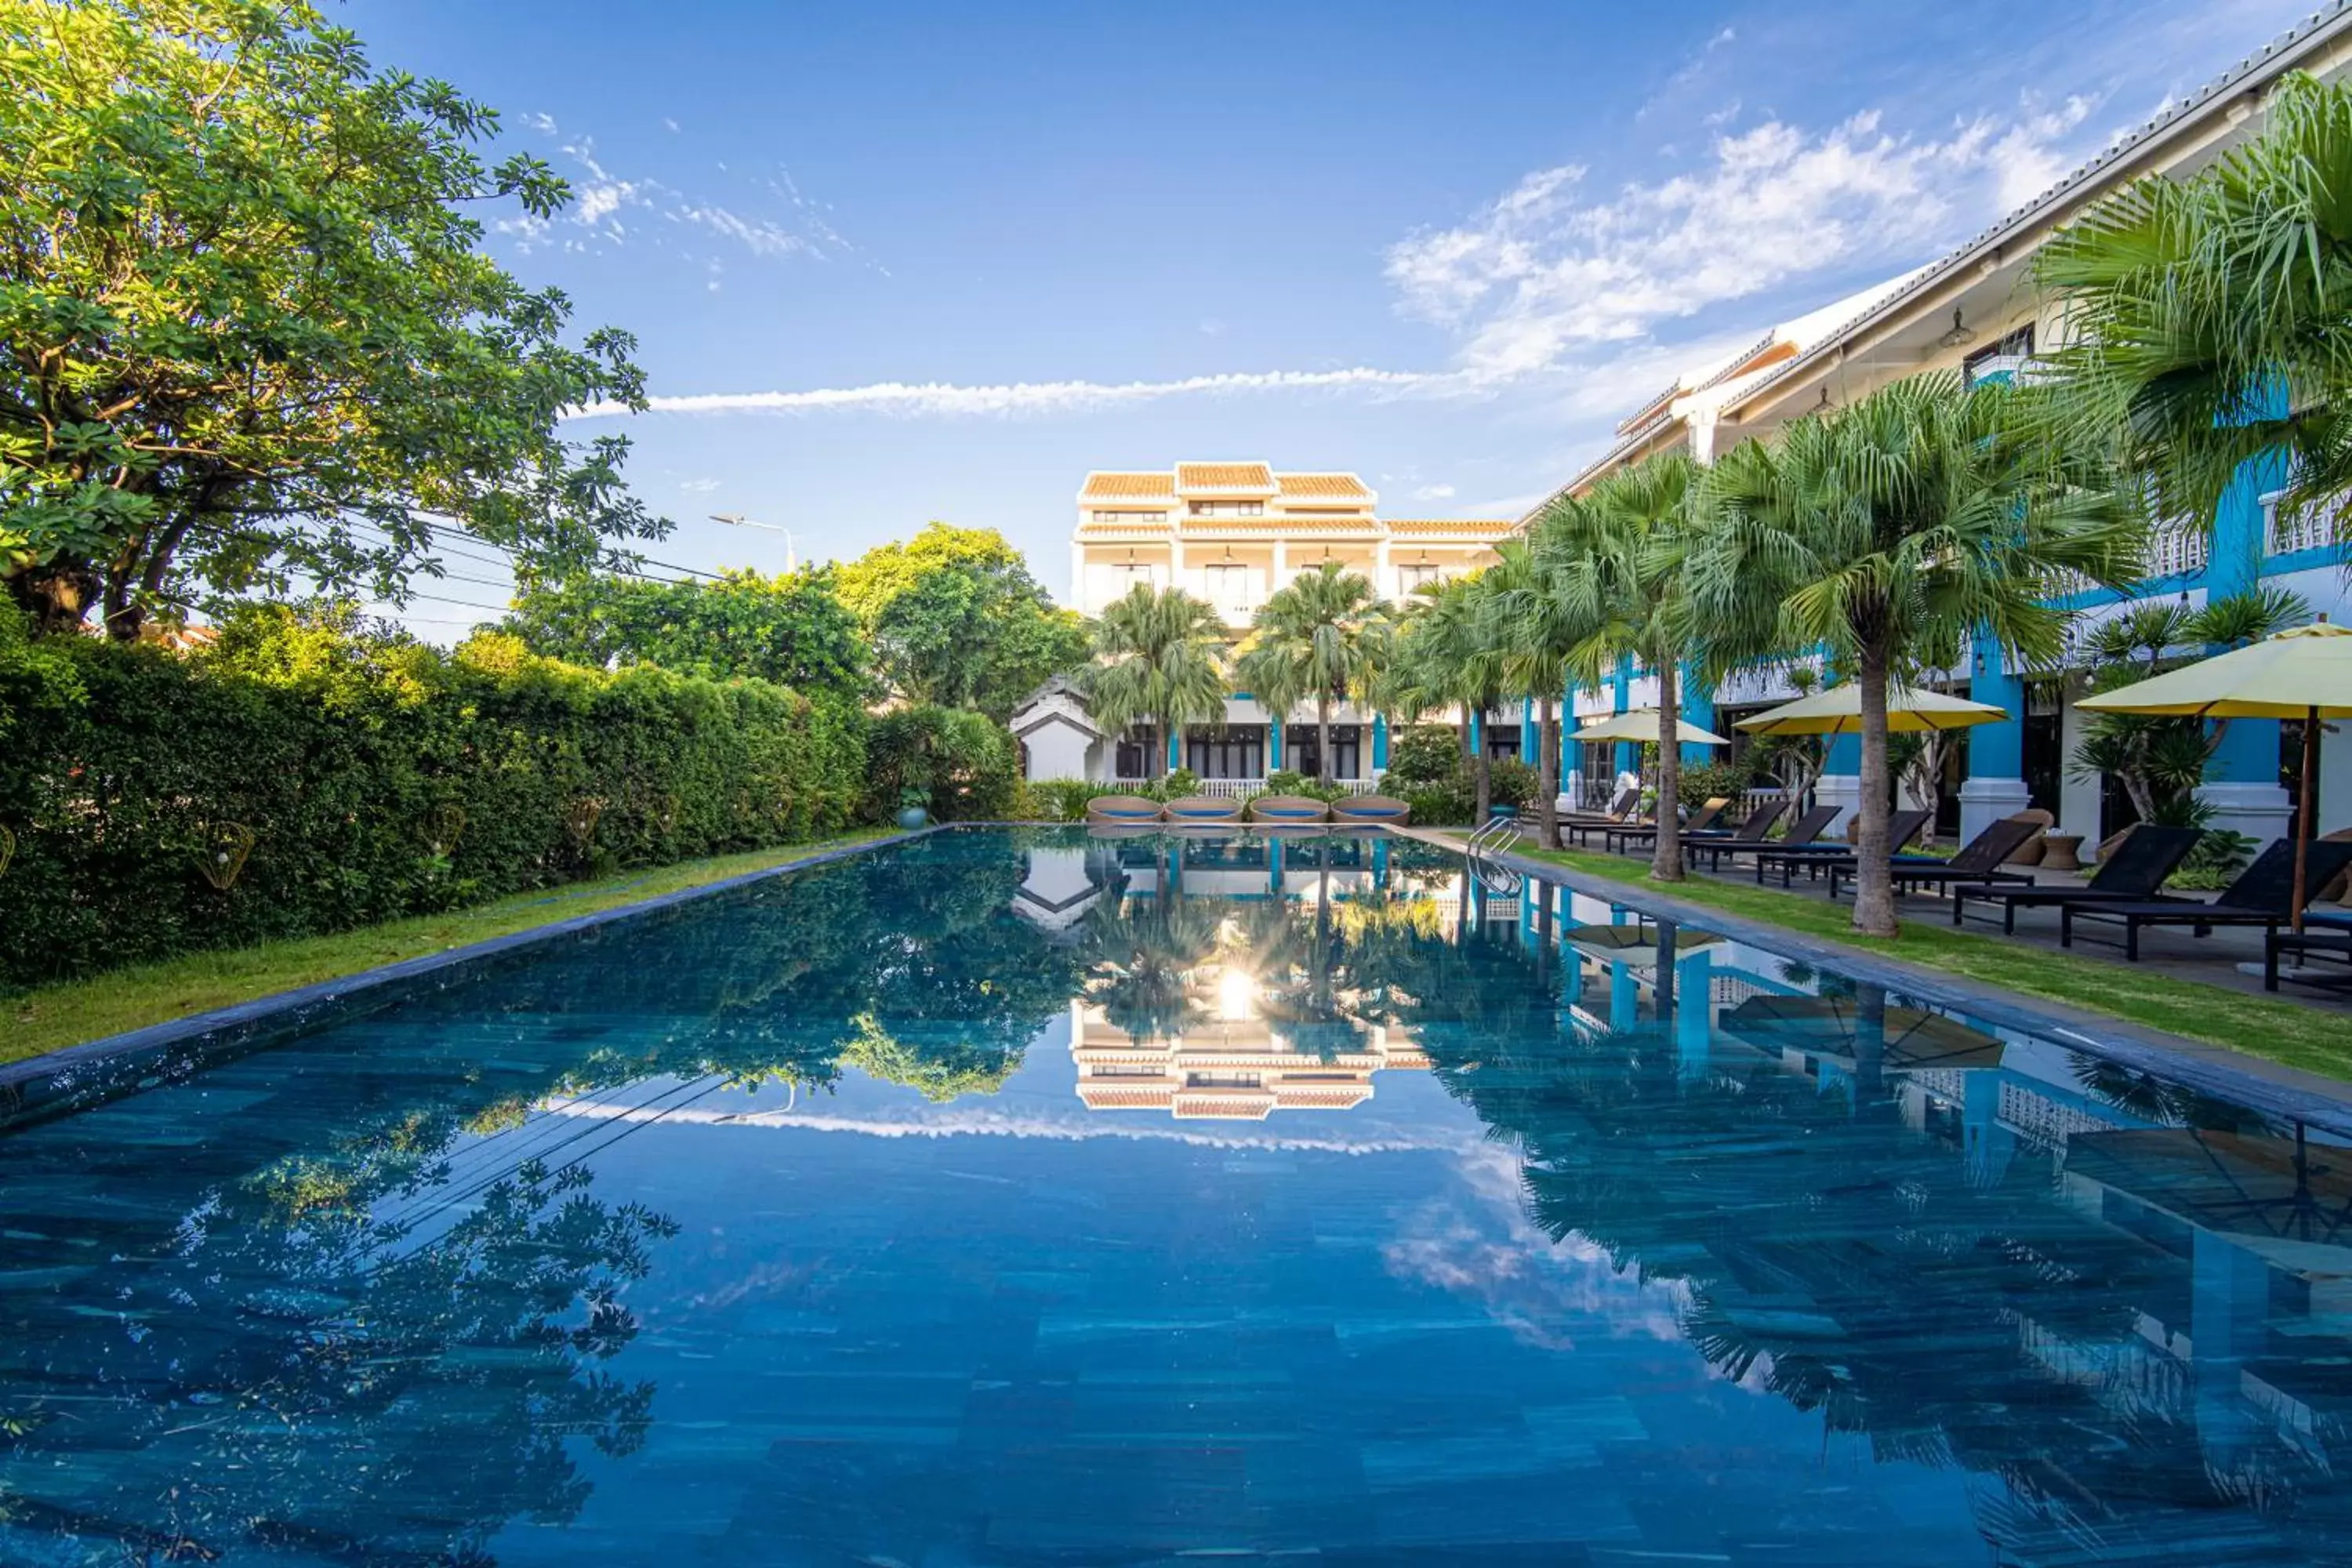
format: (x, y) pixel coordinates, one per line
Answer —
(1061, 884)
(1229, 1068)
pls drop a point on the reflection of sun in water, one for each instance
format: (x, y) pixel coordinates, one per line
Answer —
(1237, 990)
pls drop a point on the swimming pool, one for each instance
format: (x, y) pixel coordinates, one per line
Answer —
(1028, 1197)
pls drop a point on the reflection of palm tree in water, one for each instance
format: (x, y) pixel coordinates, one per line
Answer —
(1146, 953)
(1858, 1268)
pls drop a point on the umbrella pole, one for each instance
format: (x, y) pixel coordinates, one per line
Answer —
(2307, 808)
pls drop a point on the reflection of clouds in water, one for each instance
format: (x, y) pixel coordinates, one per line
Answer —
(983, 1123)
(1488, 1248)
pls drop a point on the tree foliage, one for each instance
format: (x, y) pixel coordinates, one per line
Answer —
(2208, 313)
(956, 619)
(249, 336)
(1891, 531)
(790, 628)
(1159, 658)
(1321, 637)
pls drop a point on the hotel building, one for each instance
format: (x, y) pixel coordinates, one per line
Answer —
(1976, 310)
(1232, 533)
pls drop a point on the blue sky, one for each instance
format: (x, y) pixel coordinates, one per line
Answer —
(904, 261)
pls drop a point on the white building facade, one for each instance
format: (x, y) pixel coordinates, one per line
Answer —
(1232, 533)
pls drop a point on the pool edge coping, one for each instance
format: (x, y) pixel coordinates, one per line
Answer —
(16, 1076)
(2272, 1089)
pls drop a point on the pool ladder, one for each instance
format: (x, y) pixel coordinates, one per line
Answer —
(1489, 840)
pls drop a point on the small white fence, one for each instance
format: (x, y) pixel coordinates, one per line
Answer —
(1242, 789)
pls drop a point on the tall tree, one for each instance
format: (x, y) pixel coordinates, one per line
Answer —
(957, 619)
(248, 337)
(2207, 313)
(788, 628)
(1444, 654)
(1324, 635)
(1158, 658)
(1889, 532)
(1542, 637)
(1614, 560)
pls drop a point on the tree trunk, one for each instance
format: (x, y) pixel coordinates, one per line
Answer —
(1666, 860)
(1547, 776)
(1323, 737)
(57, 597)
(1482, 770)
(1874, 881)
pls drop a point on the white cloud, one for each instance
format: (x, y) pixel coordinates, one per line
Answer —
(1433, 492)
(669, 125)
(946, 398)
(543, 123)
(1549, 269)
(700, 487)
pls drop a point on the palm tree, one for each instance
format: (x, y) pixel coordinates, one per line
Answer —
(1891, 531)
(1542, 637)
(1158, 657)
(1615, 559)
(1443, 657)
(1325, 636)
(2208, 313)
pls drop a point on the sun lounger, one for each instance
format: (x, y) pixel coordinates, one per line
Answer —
(2333, 943)
(1578, 827)
(1814, 853)
(1750, 833)
(1617, 838)
(2263, 895)
(2134, 871)
(1979, 860)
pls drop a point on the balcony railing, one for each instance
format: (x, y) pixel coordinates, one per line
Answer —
(2179, 547)
(1242, 789)
(2284, 534)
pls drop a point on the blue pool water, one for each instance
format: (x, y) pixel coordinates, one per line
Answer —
(1028, 1198)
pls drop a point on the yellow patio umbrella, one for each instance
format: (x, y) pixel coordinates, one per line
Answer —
(1641, 724)
(1838, 712)
(2304, 673)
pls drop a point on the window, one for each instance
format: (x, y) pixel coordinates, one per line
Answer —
(1129, 519)
(1228, 586)
(1229, 508)
(1140, 755)
(2018, 344)
(1237, 752)
(1299, 752)
(1126, 575)
(1416, 574)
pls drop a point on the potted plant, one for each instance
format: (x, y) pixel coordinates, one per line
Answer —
(914, 808)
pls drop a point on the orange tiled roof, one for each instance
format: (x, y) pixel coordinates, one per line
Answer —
(1249, 478)
(1333, 523)
(1346, 487)
(1127, 487)
(1474, 527)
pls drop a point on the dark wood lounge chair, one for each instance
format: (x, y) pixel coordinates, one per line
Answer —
(1578, 826)
(2263, 895)
(2333, 942)
(2135, 871)
(1748, 835)
(1979, 860)
(1702, 820)
(1814, 853)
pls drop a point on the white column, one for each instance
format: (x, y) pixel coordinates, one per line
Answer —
(2336, 776)
(1842, 791)
(1281, 566)
(2078, 799)
(1384, 583)
(1175, 559)
(2260, 811)
(1984, 802)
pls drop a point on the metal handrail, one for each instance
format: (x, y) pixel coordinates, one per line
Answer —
(1483, 844)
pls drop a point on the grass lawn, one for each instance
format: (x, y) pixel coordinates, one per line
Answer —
(2282, 1031)
(72, 1011)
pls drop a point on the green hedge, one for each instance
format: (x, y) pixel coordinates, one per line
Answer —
(376, 777)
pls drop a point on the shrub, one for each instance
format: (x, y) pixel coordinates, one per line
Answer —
(1288, 781)
(1177, 785)
(1059, 800)
(376, 777)
(965, 764)
(1438, 806)
(1703, 782)
(1513, 781)
(1425, 754)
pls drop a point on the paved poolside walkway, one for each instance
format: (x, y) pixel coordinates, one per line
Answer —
(2216, 960)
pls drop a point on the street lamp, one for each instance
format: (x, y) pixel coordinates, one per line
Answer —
(737, 520)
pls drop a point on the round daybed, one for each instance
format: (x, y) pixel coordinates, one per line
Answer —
(1288, 811)
(1123, 810)
(1203, 808)
(1383, 809)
